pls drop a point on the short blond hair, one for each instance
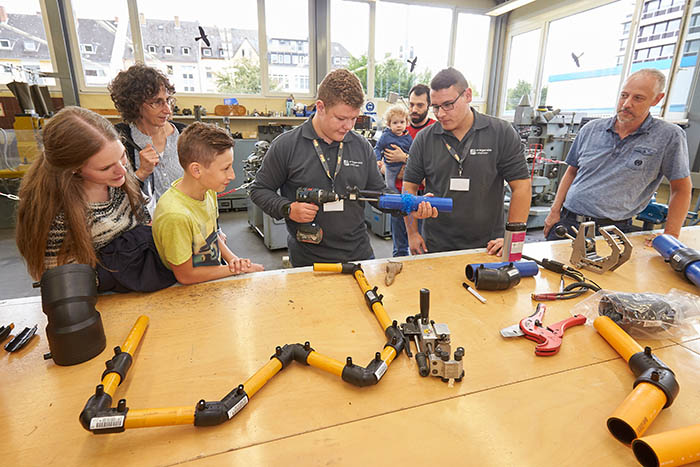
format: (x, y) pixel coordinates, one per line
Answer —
(395, 111)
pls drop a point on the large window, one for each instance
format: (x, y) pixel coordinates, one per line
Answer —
(521, 76)
(471, 50)
(350, 37)
(412, 44)
(105, 39)
(287, 25)
(24, 47)
(588, 55)
(229, 64)
(683, 81)
(581, 72)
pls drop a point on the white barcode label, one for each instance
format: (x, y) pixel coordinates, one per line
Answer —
(238, 407)
(103, 423)
(381, 369)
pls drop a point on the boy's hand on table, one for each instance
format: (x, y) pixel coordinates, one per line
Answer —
(243, 265)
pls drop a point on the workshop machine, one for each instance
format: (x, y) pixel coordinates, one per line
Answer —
(273, 231)
(547, 134)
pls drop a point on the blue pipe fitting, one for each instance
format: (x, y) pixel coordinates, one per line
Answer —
(408, 203)
(525, 268)
(680, 257)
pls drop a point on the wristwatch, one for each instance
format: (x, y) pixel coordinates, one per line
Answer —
(286, 210)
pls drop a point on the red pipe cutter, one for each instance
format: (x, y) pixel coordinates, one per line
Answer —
(548, 338)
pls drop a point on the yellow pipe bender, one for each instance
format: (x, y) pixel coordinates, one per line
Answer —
(98, 415)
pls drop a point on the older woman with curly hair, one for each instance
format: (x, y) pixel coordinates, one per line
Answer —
(144, 98)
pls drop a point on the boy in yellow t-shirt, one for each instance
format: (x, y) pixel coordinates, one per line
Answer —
(184, 225)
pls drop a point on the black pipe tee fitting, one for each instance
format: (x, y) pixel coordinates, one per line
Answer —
(649, 369)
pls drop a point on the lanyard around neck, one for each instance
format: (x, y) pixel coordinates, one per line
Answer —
(324, 162)
(455, 156)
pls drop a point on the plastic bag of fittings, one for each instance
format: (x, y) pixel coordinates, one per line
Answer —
(645, 315)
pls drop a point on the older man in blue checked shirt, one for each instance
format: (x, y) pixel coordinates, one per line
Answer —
(617, 163)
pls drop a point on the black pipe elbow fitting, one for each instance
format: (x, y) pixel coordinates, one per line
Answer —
(350, 268)
(119, 364)
(293, 352)
(362, 377)
(217, 412)
(649, 369)
(99, 418)
(98, 402)
(496, 279)
(396, 338)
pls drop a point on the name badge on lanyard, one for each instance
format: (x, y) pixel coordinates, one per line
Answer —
(459, 183)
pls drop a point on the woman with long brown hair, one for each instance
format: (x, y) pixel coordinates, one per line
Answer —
(78, 201)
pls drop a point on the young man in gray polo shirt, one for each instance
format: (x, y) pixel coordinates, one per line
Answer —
(465, 156)
(325, 153)
(616, 164)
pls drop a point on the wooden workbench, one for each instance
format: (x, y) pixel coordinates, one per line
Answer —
(512, 408)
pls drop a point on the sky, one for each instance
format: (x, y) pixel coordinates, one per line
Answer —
(573, 34)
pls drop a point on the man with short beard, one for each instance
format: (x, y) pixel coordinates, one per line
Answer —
(616, 164)
(418, 106)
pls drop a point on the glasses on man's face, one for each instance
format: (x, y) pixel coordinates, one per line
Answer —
(160, 103)
(446, 106)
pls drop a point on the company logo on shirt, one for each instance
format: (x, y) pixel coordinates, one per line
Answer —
(480, 151)
(348, 163)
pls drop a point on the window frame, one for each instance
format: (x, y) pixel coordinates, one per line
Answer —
(542, 19)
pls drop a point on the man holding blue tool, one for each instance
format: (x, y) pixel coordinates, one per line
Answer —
(465, 156)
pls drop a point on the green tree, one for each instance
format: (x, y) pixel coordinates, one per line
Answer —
(359, 67)
(393, 75)
(390, 75)
(241, 78)
(515, 94)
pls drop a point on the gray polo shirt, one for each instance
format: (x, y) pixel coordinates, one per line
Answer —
(292, 162)
(495, 154)
(616, 177)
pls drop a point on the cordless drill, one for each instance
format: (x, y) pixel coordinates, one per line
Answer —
(312, 232)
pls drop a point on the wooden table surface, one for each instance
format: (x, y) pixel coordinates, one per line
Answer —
(512, 408)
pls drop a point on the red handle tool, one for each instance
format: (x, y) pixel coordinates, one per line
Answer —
(548, 338)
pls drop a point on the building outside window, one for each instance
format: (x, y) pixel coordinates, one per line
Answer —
(222, 66)
(287, 25)
(350, 37)
(24, 47)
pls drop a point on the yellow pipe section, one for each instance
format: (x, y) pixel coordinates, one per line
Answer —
(262, 376)
(324, 363)
(143, 418)
(388, 355)
(377, 308)
(632, 418)
(639, 409)
(328, 267)
(134, 338)
(112, 380)
(671, 448)
(616, 337)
